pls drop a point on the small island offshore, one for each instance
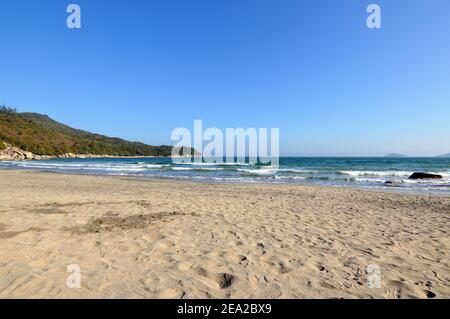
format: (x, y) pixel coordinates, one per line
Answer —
(395, 155)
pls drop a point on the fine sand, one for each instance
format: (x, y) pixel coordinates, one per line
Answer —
(172, 239)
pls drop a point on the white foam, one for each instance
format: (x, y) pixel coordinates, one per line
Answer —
(296, 171)
(213, 164)
(281, 177)
(259, 171)
(91, 166)
(377, 173)
(197, 168)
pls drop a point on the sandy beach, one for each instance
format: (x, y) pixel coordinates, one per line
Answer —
(175, 239)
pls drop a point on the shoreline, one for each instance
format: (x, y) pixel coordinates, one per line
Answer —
(388, 190)
(135, 238)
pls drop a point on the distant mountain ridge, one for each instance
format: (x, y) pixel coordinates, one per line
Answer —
(395, 155)
(41, 135)
(445, 155)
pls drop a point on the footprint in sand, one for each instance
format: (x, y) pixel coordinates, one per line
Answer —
(224, 280)
(273, 291)
(152, 237)
(164, 243)
(172, 293)
(321, 268)
(399, 289)
(283, 269)
(218, 280)
(184, 266)
(234, 258)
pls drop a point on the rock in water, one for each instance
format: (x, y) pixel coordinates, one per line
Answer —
(425, 176)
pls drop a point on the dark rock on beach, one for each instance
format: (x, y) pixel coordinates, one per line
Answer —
(225, 281)
(425, 176)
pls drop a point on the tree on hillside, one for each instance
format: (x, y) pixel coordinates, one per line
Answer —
(7, 110)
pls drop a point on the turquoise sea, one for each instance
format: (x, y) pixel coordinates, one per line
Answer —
(354, 172)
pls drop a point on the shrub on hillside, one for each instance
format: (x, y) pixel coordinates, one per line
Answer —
(7, 110)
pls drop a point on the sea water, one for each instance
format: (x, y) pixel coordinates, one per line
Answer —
(335, 171)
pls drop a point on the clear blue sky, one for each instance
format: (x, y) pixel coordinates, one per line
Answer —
(138, 69)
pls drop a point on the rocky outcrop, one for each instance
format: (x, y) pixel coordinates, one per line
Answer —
(425, 176)
(12, 153)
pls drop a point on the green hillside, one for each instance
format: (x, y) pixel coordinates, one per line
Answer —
(42, 135)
